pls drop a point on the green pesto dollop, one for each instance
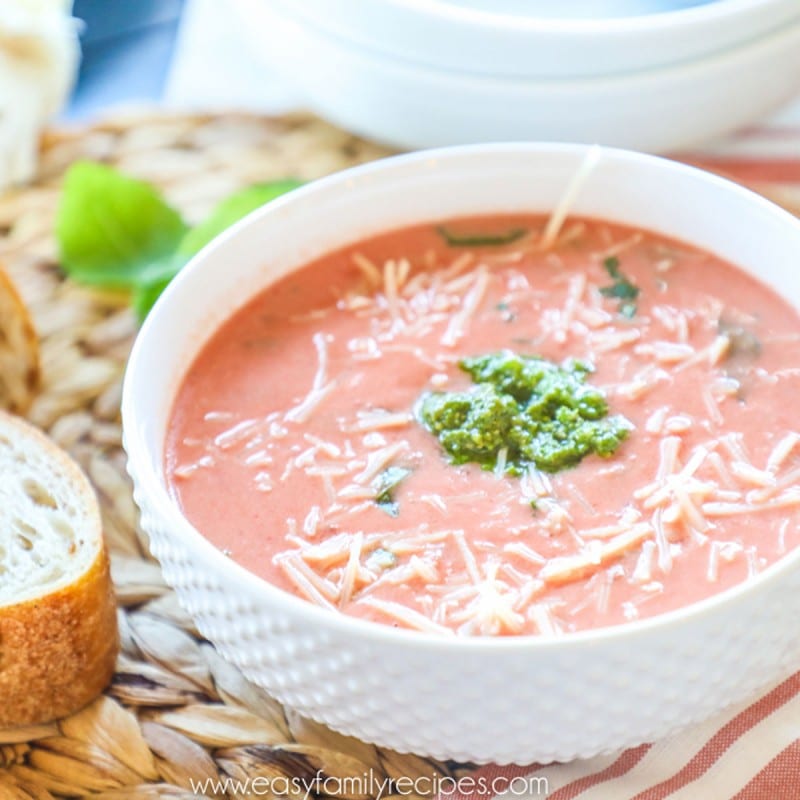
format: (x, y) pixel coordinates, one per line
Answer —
(538, 412)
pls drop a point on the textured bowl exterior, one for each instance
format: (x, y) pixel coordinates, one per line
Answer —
(516, 699)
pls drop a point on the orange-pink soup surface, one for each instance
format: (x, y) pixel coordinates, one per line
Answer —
(298, 403)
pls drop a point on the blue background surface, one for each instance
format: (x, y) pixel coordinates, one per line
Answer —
(127, 46)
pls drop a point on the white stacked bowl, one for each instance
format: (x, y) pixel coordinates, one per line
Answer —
(418, 73)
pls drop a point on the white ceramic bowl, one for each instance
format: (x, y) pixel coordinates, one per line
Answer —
(408, 104)
(512, 699)
(526, 38)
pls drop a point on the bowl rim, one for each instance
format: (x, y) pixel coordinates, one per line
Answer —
(150, 481)
(707, 13)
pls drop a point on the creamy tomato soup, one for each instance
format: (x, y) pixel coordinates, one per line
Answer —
(302, 446)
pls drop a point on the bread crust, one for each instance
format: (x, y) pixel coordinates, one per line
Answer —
(18, 389)
(58, 650)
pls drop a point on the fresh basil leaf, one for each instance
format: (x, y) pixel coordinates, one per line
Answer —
(231, 210)
(389, 507)
(153, 283)
(612, 266)
(111, 228)
(381, 559)
(116, 232)
(385, 485)
(622, 289)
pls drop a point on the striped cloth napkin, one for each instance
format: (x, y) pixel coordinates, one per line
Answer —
(751, 751)
(765, 158)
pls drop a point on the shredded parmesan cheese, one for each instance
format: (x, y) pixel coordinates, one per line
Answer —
(567, 569)
(378, 459)
(409, 617)
(308, 583)
(564, 205)
(367, 269)
(351, 570)
(303, 411)
(472, 300)
(782, 451)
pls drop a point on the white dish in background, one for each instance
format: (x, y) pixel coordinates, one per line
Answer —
(579, 9)
(488, 38)
(410, 105)
(506, 699)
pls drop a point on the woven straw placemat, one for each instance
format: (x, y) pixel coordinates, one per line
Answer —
(176, 714)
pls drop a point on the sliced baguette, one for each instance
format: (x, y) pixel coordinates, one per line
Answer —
(58, 625)
(19, 350)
